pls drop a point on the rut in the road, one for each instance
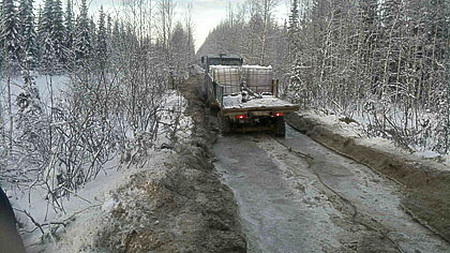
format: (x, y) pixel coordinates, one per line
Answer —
(380, 212)
(297, 188)
(354, 214)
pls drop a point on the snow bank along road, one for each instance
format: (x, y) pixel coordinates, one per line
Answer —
(295, 195)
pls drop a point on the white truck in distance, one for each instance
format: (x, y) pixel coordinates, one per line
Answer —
(246, 96)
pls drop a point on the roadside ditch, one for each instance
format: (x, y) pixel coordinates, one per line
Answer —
(183, 208)
(426, 183)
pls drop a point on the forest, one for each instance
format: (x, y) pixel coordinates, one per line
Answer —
(102, 83)
(383, 65)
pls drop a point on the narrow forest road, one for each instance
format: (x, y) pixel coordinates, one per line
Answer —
(294, 195)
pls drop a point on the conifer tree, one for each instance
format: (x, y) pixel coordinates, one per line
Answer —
(28, 47)
(101, 40)
(9, 32)
(58, 34)
(69, 34)
(82, 40)
(116, 42)
(38, 20)
(69, 25)
(109, 27)
(92, 35)
(46, 49)
(294, 16)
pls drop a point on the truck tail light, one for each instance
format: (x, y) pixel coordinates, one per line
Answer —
(278, 114)
(243, 116)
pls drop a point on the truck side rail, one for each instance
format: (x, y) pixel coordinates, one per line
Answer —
(214, 91)
(219, 89)
(208, 88)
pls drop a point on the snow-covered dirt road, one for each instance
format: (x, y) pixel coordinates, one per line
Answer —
(294, 195)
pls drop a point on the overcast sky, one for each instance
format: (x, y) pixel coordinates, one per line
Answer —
(206, 13)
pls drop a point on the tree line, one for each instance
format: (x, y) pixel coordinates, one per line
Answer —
(52, 40)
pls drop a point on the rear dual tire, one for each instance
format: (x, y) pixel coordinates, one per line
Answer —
(280, 127)
(224, 124)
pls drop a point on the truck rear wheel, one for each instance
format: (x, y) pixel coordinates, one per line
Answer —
(280, 127)
(224, 124)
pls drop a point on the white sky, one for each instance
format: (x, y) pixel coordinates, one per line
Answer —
(207, 14)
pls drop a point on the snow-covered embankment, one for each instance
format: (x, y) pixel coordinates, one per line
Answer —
(426, 181)
(171, 201)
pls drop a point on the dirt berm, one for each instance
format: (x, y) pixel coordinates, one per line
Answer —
(426, 183)
(186, 209)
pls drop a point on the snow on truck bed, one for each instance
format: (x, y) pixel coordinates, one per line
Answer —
(235, 102)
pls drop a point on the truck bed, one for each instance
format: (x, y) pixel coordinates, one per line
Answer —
(267, 102)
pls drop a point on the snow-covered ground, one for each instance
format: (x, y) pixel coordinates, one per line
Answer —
(355, 129)
(45, 84)
(42, 227)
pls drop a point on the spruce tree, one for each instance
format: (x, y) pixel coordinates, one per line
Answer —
(38, 21)
(70, 30)
(92, 34)
(109, 34)
(294, 17)
(115, 41)
(58, 34)
(82, 41)
(109, 27)
(101, 43)
(46, 49)
(28, 47)
(9, 32)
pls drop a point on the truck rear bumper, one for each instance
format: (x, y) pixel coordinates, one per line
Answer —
(252, 123)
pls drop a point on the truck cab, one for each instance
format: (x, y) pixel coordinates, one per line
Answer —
(220, 59)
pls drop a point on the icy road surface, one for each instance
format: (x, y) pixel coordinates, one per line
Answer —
(294, 195)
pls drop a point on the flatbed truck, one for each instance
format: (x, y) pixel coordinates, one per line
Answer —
(246, 97)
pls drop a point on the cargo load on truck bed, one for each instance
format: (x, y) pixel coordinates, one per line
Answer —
(247, 98)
